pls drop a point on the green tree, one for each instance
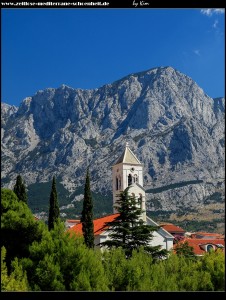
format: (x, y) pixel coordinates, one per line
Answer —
(18, 226)
(114, 262)
(17, 280)
(183, 248)
(182, 273)
(54, 211)
(62, 262)
(87, 214)
(20, 189)
(128, 229)
(213, 262)
(127, 274)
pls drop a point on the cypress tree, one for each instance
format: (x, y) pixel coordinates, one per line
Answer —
(129, 231)
(87, 214)
(20, 189)
(54, 211)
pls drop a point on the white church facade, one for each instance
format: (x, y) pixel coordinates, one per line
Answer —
(127, 172)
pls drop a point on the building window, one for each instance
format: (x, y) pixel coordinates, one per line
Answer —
(116, 183)
(119, 183)
(209, 248)
(129, 179)
(140, 200)
(135, 178)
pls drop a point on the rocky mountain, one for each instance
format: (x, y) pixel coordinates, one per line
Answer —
(174, 128)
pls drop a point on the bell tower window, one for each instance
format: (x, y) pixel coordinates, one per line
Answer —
(135, 178)
(117, 183)
(129, 179)
(140, 200)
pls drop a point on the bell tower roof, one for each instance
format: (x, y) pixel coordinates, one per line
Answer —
(128, 157)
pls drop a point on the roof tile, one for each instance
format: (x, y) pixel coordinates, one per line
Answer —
(195, 243)
(99, 225)
(172, 228)
(128, 157)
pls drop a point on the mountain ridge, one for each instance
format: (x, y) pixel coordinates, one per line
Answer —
(172, 126)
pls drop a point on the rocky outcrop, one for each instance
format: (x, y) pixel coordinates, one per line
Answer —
(174, 128)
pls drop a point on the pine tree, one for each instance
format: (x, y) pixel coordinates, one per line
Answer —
(17, 279)
(54, 211)
(20, 189)
(128, 230)
(19, 229)
(87, 214)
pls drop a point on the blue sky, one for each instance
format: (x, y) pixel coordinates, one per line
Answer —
(87, 48)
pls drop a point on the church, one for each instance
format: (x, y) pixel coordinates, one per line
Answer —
(127, 171)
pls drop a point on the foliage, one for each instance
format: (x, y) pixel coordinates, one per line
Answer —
(62, 262)
(128, 229)
(36, 259)
(17, 280)
(183, 248)
(18, 226)
(214, 263)
(101, 205)
(38, 195)
(173, 186)
(177, 238)
(91, 142)
(20, 189)
(216, 197)
(38, 200)
(190, 225)
(114, 262)
(54, 211)
(127, 274)
(176, 273)
(180, 273)
(87, 214)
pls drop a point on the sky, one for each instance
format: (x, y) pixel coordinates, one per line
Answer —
(88, 48)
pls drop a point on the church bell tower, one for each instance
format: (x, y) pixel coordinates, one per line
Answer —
(128, 171)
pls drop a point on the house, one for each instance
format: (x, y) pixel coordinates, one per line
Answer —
(201, 246)
(70, 223)
(127, 172)
(99, 228)
(173, 229)
(207, 235)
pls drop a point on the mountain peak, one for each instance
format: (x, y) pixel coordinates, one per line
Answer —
(175, 129)
(64, 86)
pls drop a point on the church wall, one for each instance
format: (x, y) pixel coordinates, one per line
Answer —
(137, 191)
(162, 241)
(156, 241)
(100, 239)
(97, 240)
(122, 171)
(137, 171)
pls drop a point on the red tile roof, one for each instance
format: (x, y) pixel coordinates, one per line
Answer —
(172, 228)
(73, 221)
(99, 225)
(209, 234)
(195, 243)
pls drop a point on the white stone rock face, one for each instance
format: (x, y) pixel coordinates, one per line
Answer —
(173, 127)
